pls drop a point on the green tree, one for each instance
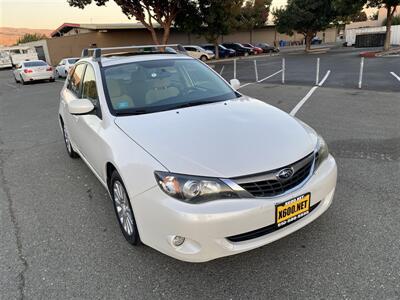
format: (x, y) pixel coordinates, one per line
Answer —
(359, 17)
(209, 18)
(253, 14)
(304, 16)
(390, 6)
(395, 21)
(147, 12)
(31, 37)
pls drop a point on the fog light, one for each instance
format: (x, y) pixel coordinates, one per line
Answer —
(178, 240)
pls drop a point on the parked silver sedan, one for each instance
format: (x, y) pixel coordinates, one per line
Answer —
(33, 70)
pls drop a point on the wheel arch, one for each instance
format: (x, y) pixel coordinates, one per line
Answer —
(110, 168)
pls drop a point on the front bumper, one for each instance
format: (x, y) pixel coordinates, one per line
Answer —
(206, 226)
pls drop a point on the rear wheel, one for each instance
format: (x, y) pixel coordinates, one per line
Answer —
(52, 80)
(123, 209)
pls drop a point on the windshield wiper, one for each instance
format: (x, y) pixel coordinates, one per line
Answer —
(132, 112)
(194, 103)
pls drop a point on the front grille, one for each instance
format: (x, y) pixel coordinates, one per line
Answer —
(269, 185)
(259, 232)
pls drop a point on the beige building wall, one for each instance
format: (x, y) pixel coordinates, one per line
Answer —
(72, 45)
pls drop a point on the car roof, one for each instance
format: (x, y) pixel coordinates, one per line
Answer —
(118, 60)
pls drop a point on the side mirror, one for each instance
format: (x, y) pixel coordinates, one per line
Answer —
(80, 107)
(235, 83)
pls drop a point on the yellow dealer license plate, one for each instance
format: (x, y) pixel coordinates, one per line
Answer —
(292, 210)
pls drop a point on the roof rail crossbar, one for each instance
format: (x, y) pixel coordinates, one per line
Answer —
(97, 52)
(85, 52)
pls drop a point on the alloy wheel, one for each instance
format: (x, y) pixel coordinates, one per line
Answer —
(67, 140)
(124, 212)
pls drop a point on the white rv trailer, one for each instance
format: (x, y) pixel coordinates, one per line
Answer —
(19, 54)
(5, 60)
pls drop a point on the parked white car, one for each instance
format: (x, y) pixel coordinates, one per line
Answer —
(194, 168)
(65, 65)
(33, 70)
(199, 53)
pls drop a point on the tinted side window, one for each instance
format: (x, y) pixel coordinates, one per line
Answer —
(89, 90)
(75, 80)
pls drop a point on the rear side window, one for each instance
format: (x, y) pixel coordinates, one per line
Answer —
(89, 90)
(35, 64)
(75, 81)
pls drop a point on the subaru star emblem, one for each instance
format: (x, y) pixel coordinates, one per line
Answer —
(285, 173)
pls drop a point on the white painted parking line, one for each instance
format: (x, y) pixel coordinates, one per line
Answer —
(325, 78)
(272, 75)
(395, 75)
(309, 94)
(246, 84)
(261, 80)
(222, 70)
(302, 101)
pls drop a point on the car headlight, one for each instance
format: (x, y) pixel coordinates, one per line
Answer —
(193, 189)
(322, 152)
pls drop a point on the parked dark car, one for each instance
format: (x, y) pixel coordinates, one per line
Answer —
(267, 48)
(239, 48)
(222, 51)
(256, 49)
(316, 41)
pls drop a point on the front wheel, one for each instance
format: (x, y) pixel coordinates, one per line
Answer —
(123, 209)
(68, 144)
(246, 54)
(203, 58)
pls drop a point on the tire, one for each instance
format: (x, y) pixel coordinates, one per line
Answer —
(203, 58)
(246, 54)
(22, 81)
(67, 142)
(123, 209)
(52, 80)
(57, 75)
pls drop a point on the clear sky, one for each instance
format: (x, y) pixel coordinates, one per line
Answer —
(49, 14)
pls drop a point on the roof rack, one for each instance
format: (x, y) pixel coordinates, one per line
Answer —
(97, 52)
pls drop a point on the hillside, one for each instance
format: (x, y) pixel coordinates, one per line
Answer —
(9, 36)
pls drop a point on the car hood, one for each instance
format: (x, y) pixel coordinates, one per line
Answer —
(224, 139)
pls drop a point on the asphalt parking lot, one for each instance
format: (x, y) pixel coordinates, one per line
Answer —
(344, 64)
(59, 237)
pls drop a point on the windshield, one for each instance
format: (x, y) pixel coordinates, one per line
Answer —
(73, 60)
(157, 85)
(35, 64)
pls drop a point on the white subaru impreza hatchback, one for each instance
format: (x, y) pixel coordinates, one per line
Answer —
(195, 169)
